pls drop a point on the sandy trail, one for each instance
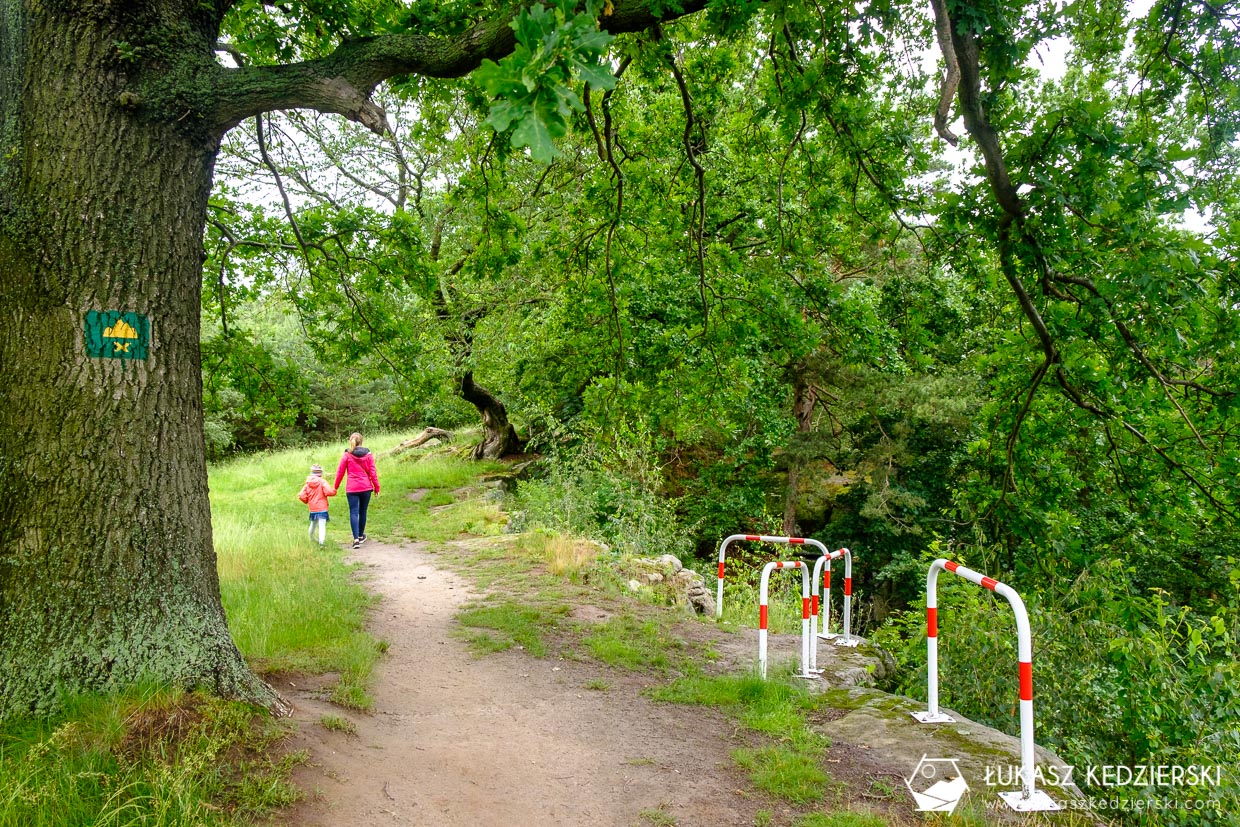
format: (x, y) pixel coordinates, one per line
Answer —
(506, 739)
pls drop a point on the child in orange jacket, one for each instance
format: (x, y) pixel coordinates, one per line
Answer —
(314, 494)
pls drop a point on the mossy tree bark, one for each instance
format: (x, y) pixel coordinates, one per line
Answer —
(111, 115)
(107, 572)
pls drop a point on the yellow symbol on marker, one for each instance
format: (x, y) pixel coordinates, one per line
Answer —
(121, 330)
(112, 334)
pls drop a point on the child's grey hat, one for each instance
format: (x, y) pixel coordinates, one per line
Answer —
(316, 469)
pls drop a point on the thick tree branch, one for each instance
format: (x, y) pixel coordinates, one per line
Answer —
(607, 142)
(343, 81)
(951, 80)
(1012, 228)
(978, 125)
(699, 174)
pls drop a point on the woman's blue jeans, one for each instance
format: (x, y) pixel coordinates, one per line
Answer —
(359, 501)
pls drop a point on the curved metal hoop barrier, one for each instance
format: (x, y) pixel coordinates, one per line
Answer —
(1028, 799)
(823, 567)
(755, 538)
(762, 614)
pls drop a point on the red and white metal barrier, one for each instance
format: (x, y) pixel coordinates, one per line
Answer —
(825, 562)
(762, 614)
(822, 568)
(755, 538)
(1028, 799)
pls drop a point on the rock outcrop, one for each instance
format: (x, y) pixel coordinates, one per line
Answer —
(667, 576)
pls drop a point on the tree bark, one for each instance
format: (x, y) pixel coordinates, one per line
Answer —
(803, 400)
(343, 81)
(498, 435)
(107, 570)
(421, 439)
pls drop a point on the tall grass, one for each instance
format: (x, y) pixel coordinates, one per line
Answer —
(291, 604)
(609, 491)
(790, 765)
(741, 598)
(153, 757)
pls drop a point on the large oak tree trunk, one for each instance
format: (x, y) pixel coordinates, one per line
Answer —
(107, 571)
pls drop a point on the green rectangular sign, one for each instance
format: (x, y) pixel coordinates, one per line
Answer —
(115, 334)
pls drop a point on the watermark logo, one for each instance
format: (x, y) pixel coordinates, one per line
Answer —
(937, 785)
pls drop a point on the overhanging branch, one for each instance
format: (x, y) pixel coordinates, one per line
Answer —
(343, 81)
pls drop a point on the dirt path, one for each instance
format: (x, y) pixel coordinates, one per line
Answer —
(506, 739)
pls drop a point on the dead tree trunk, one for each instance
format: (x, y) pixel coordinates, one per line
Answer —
(421, 439)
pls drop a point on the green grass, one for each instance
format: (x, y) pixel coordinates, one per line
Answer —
(438, 523)
(790, 764)
(658, 816)
(152, 757)
(291, 604)
(165, 758)
(494, 628)
(294, 606)
(741, 599)
(439, 515)
(841, 819)
(793, 775)
(338, 724)
(635, 644)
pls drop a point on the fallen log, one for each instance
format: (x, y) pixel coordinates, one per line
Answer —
(421, 439)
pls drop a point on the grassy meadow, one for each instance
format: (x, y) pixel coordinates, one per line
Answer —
(291, 604)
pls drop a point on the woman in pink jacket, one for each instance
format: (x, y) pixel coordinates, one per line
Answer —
(359, 464)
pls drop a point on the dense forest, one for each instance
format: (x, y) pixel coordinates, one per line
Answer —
(742, 282)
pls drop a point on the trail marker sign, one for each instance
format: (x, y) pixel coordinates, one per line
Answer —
(115, 334)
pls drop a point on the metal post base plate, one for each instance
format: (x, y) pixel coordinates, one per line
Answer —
(937, 718)
(1038, 801)
(827, 635)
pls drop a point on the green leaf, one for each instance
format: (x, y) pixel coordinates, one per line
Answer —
(597, 76)
(498, 80)
(532, 132)
(503, 113)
